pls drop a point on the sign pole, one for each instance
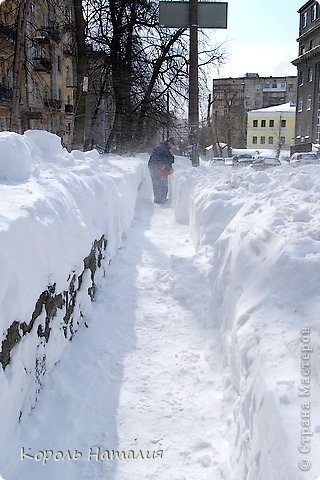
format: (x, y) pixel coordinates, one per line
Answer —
(193, 14)
(193, 85)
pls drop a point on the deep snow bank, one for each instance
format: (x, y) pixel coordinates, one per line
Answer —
(263, 229)
(62, 217)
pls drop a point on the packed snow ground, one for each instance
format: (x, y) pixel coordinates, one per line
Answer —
(201, 342)
(145, 374)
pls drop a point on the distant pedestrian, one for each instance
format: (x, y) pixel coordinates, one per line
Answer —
(160, 166)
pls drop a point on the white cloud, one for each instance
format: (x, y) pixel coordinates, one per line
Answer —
(266, 60)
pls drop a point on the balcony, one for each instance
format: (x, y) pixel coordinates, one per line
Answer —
(42, 64)
(307, 56)
(49, 32)
(31, 114)
(68, 109)
(41, 37)
(5, 93)
(53, 103)
(7, 33)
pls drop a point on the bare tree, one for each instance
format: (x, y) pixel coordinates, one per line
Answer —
(82, 74)
(228, 117)
(149, 64)
(18, 64)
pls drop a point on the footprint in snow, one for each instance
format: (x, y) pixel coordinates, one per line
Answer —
(205, 461)
(179, 292)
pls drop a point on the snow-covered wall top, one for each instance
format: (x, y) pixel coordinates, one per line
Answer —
(53, 205)
(262, 229)
(62, 216)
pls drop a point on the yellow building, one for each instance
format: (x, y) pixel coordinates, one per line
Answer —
(271, 127)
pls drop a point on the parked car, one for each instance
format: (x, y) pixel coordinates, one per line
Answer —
(244, 158)
(217, 160)
(230, 161)
(100, 148)
(261, 163)
(304, 158)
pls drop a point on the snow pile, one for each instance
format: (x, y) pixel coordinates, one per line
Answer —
(54, 207)
(263, 229)
(254, 278)
(15, 158)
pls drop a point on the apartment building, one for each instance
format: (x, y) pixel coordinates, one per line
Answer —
(37, 66)
(307, 129)
(7, 41)
(272, 127)
(232, 98)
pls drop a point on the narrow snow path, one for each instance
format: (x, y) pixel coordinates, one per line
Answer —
(144, 376)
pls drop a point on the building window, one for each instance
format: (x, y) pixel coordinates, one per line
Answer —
(309, 102)
(6, 18)
(36, 91)
(302, 50)
(263, 123)
(301, 78)
(300, 107)
(271, 123)
(282, 140)
(270, 140)
(283, 123)
(254, 140)
(255, 123)
(262, 140)
(304, 19)
(311, 44)
(313, 12)
(33, 12)
(310, 74)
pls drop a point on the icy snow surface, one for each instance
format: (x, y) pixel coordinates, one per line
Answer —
(194, 345)
(144, 375)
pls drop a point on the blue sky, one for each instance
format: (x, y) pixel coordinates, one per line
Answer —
(261, 37)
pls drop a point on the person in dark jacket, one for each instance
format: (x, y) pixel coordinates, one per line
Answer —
(160, 166)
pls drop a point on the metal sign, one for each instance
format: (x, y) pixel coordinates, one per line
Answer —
(210, 14)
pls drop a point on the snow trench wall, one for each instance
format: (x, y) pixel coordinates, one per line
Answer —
(62, 217)
(50, 302)
(262, 229)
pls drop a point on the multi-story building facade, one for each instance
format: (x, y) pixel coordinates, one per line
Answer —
(308, 64)
(37, 87)
(232, 98)
(7, 41)
(272, 127)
